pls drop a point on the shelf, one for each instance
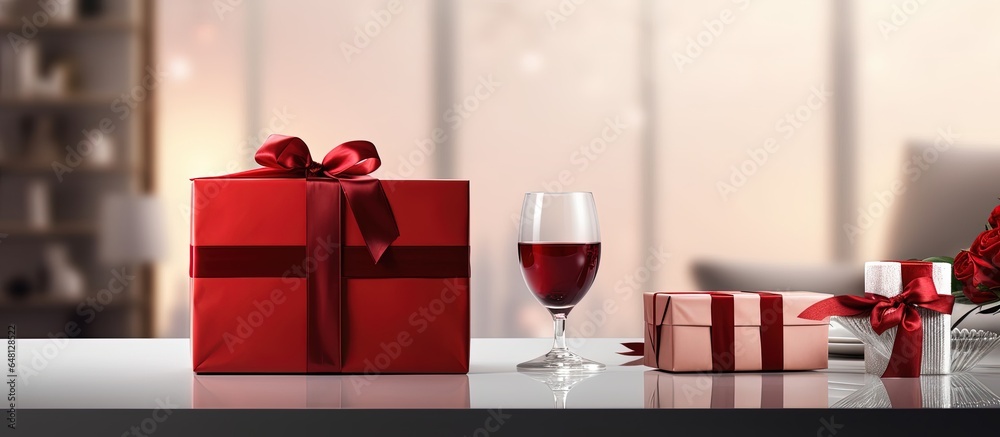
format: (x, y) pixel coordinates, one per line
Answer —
(58, 229)
(81, 26)
(35, 168)
(51, 302)
(122, 41)
(21, 102)
(38, 302)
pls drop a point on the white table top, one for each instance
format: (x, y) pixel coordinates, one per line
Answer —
(144, 373)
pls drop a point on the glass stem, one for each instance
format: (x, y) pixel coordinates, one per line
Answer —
(559, 327)
(560, 397)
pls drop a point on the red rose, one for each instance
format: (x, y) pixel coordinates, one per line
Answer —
(994, 219)
(973, 272)
(987, 245)
(964, 267)
(986, 275)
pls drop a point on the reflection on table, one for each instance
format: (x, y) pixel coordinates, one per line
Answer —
(735, 390)
(330, 391)
(139, 373)
(961, 390)
(811, 390)
(559, 382)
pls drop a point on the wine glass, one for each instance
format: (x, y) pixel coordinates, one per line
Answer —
(559, 249)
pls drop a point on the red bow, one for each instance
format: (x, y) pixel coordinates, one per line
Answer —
(887, 312)
(350, 163)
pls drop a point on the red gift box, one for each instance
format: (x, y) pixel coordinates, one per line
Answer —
(286, 277)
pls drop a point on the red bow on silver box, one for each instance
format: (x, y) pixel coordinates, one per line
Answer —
(889, 312)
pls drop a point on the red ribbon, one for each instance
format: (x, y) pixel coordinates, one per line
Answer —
(273, 262)
(323, 284)
(772, 331)
(889, 312)
(349, 163)
(723, 333)
(635, 349)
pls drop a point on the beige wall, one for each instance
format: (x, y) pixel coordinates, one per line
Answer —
(199, 129)
(560, 75)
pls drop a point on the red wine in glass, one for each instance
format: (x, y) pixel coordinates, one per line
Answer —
(559, 274)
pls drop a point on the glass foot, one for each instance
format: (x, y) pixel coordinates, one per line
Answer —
(560, 360)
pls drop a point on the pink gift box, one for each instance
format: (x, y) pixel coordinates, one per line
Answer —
(725, 331)
(741, 390)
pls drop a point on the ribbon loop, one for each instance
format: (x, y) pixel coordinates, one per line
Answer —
(285, 153)
(353, 158)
